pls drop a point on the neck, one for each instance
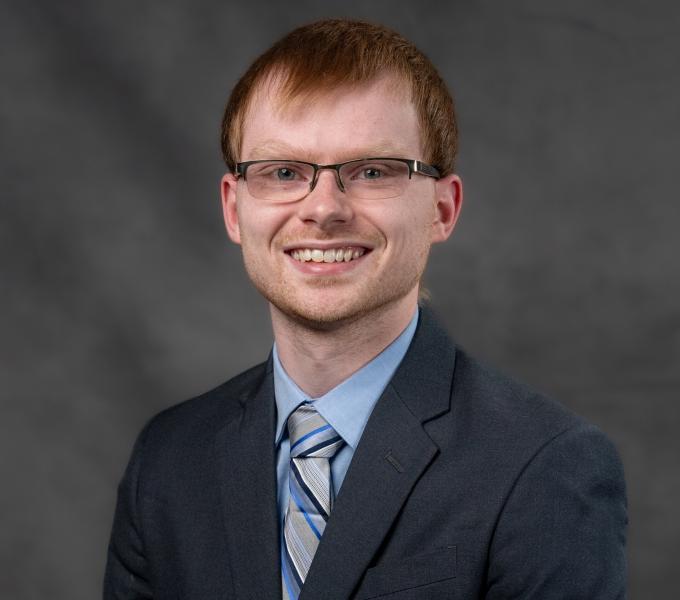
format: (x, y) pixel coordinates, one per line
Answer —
(320, 359)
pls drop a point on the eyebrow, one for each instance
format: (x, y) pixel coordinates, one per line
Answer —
(278, 149)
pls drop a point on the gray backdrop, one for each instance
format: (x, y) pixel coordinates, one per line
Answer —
(121, 294)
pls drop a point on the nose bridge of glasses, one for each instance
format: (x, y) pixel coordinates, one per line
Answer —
(317, 174)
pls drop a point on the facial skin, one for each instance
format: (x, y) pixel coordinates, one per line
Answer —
(394, 233)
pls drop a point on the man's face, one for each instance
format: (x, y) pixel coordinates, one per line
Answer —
(388, 239)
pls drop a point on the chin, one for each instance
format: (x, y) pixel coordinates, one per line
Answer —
(321, 317)
(327, 314)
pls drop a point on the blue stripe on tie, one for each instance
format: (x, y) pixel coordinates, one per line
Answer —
(320, 446)
(304, 512)
(285, 565)
(292, 569)
(303, 503)
(305, 488)
(310, 434)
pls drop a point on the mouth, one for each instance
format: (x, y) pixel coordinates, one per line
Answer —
(341, 254)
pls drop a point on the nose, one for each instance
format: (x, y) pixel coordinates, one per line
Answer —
(326, 205)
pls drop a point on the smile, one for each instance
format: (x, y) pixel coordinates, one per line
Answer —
(330, 255)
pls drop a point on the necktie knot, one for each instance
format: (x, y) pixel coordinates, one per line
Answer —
(310, 435)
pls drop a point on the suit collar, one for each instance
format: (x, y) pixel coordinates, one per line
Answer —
(424, 378)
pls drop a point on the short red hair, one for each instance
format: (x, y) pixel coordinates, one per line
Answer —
(333, 53)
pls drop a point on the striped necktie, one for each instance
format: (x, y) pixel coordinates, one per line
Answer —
(313, 442)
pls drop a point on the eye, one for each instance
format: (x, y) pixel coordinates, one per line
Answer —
(374, 171)
(285, 174)
(275, 172)
(371, 173)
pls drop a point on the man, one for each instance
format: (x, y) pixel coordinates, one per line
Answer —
(368, 457)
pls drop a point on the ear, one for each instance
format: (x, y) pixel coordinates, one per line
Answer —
(449, 201)
(229, 209)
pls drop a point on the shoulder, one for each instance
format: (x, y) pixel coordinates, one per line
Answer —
(201, 416)
(515, 434)
(481, 393)
(494, 407)
(484, 409)
(487, 419)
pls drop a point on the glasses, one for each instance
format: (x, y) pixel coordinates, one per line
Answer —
(366, 178)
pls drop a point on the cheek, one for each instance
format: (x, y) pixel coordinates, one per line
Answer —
(259, 224)
(409, 227)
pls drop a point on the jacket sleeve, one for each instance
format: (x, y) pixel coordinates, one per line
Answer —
(561, 533)
(127, 576)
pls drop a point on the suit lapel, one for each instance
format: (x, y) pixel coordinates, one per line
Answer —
(247, 469)
(393, 453)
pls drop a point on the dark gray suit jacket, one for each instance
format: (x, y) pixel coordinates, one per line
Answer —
(464, 485)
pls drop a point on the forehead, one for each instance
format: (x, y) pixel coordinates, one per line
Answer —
(377, 118)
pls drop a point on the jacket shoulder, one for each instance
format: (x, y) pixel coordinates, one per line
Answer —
(490, 405)
(205, 413)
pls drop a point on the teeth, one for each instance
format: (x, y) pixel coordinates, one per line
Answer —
(327, 256)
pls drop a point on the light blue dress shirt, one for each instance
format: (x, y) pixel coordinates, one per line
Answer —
(346, 408)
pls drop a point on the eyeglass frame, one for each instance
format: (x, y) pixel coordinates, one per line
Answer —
(414, 166)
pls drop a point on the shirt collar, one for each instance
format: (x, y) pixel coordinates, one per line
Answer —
(347, 406)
